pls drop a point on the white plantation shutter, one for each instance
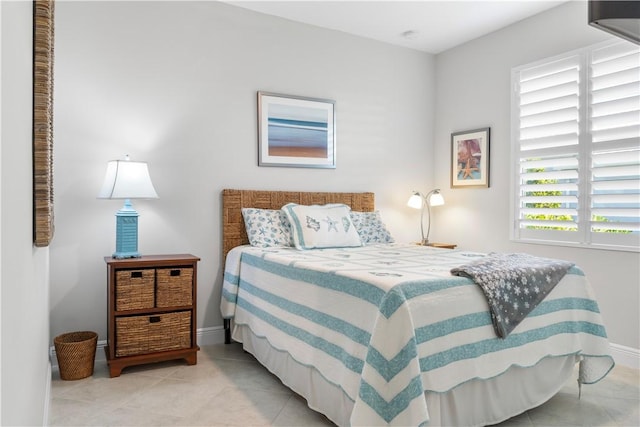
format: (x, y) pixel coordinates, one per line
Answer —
(576, 130)
(548, 122)
(615, 142)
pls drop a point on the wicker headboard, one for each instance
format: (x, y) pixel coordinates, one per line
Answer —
(233, 229)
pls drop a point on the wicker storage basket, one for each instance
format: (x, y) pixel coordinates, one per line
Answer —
(76, 352)
(135, 289)
(174, 287)
(155, 333)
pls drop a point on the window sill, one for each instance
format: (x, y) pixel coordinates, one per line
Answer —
(596, 246)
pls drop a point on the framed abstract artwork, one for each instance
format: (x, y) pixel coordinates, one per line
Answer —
(295, 131)
(470, 158)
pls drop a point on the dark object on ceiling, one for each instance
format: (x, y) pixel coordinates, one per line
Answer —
(620, 18)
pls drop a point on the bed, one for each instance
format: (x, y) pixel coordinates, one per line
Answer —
(383, 334)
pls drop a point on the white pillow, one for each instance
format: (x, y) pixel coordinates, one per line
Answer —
(267, 227)
(321, 226)
(371, 228)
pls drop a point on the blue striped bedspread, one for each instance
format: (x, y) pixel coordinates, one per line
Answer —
(387, 323)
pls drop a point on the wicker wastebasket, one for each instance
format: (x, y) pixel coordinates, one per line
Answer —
(76, 352)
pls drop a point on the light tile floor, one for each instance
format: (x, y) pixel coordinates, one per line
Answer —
(228, 387)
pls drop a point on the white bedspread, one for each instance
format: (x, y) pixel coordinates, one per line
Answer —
(387, 322)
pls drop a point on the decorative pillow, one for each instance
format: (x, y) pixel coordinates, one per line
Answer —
(371, 228)
(321, 226)
(267, 227)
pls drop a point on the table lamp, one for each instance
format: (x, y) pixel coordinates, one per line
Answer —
(126, 179)
(419, 201)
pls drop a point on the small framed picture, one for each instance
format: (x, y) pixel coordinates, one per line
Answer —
(470, 158)
(295, 131)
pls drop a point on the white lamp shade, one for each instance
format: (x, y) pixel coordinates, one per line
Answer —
(436, 199)
(126, 179)
(415, 201)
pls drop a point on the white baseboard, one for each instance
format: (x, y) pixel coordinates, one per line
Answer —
(625, 356)
(47, 396)
(211, 336)
(204, 336)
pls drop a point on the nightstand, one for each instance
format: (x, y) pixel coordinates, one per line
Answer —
(439, 245)
(442, 245)
(151, 310)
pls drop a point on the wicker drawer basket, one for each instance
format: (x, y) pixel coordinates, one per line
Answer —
(149, 334)
(174, 287)
(135, 289)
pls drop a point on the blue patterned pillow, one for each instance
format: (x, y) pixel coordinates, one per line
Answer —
(321, 226)
(371, 228)
(267, 227)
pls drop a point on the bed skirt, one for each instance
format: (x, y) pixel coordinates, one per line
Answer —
(474, 403)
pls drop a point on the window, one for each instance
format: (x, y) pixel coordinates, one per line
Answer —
(576, 133)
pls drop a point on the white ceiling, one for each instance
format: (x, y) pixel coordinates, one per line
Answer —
(437, 25)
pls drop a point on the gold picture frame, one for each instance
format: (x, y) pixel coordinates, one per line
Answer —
(43, 36)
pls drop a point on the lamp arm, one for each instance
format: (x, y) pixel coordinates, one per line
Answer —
(425, 242)
(422, 222)
(426, 202)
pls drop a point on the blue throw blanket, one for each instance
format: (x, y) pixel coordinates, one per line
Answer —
(514, 284)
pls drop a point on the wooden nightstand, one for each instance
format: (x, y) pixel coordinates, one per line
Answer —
(439, 245)
(442, 245)
(151, 310)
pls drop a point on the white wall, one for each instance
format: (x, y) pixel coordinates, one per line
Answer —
(473, 83)
(175, 83)
(25, 269)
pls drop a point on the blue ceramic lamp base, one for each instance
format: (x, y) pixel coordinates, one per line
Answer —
(127, 232)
